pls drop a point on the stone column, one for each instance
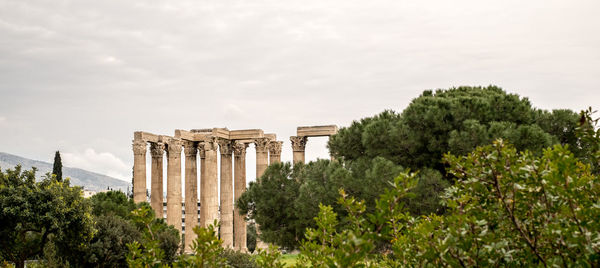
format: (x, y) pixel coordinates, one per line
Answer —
(139, 171)
(157, 151)
(226, 229)
(239, 222)
(262, 159)
(298, 145)
(191, 194)
(262, 156)
(275, 152)
(174, 183)
(209, 196)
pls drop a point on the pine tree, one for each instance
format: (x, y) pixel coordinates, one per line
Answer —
(57, 168)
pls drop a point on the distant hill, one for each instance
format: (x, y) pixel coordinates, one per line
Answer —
(89, 180)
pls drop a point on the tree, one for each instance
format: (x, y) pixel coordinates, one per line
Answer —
(158, 238)
(57, 167)
(511, 209)
(34, 213)
(109, 248)
(112, 203)
(284, 201)
(208, 249)
(269, 201)
(455, 120)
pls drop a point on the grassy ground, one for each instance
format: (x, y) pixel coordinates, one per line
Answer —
(289, 259)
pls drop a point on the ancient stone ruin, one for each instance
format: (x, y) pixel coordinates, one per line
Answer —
(208, 143)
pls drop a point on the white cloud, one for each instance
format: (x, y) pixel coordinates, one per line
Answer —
(103, 163)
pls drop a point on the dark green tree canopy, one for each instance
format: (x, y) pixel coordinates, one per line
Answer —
(57, 167)
(112, 203)
(454, 120)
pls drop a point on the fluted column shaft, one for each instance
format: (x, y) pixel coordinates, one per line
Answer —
(174, 184)
(157, 151)
(239, 222)
(209, 211)
(226, 229)
(191, 194)
(275, 152)
(139, 171)
(298, 146)
(262, 160)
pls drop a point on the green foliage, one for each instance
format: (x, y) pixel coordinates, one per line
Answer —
(251, 236)
(208, 249)
(34, 213)
(57, 166)
(159, 243)
(511, 209)
(269, 201)
(284, 201)
(355, 244)
(237, 259)
(109, 248)
(455, 120)
(269, 258)
(424, 198)
(507, 208)
(589, 133)
(112, 203)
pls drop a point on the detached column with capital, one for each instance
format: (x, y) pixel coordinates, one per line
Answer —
(157, 150)
(275, 151)
(239, 223)
(191, 194)
(262, 160)
(262, 155)
(298, 146)
(209, 196)
(139, 171)
(226, 229)
(174, 183)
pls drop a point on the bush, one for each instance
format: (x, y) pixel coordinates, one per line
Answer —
(238, 259)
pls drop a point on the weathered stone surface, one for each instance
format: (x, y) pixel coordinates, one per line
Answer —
(275, 151)
(239, 222)
(226, 229)
(139, 170)
(298, 146)
(316, 131)
(209, 211)
(206, 142)
(191, 193)
(174, 148)
(262, 155)
(157, 151)
(245, 134)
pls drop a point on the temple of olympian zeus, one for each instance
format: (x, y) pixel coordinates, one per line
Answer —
(208, 143)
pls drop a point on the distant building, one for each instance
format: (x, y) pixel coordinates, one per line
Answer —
(88, 193)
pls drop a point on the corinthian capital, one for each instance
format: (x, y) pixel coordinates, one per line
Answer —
(261, 144)
(298, 143)
(174, 148)
(139, 147)
(190, 149)
(239, 148)
(225, 145)
(211, 144)
(275, 147)
(201, 149)
(157, 149)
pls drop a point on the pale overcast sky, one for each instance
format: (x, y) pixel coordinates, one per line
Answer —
(82, 76)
